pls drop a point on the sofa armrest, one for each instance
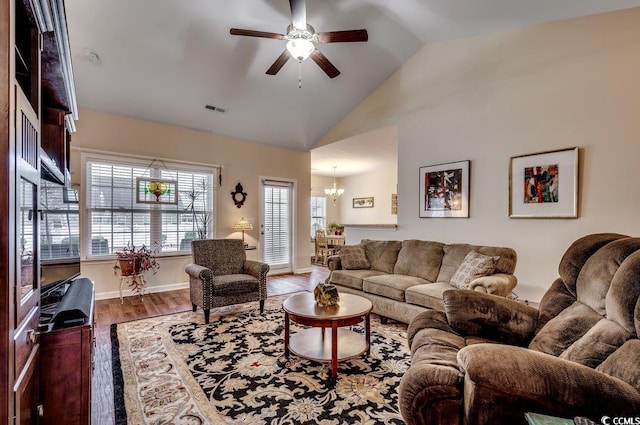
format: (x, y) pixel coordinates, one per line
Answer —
(488, 316)
(426, 319)
(536, 381)
(197, 271)
(333, 263)
(497, 284)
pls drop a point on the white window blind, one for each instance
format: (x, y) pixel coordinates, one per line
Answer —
(115, 220)
(318, 213)
(277, 223)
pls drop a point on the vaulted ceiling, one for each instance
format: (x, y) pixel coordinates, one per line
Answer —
(164, 60)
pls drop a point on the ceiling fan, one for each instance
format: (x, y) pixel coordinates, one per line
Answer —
(301, 38)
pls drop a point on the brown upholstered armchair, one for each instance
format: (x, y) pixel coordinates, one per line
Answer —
(221, 275)
(488, 360)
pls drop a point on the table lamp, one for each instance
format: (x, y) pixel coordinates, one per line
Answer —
(243, 225)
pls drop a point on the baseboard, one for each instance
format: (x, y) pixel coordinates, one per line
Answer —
(149, 290)
(301, 271)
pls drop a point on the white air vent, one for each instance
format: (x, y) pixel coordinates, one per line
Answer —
(216, 108)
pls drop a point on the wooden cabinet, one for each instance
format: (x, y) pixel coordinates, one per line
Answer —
(33, 43)
(56, 145)
(66, 364)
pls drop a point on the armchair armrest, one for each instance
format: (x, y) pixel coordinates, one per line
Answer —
(489, 316)
(497, 284)
(333, 262)
(256, 268)
(199, 272)
(536, 381)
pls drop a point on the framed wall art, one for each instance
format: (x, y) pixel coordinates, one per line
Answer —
(544, 185)
(363, 202)
(444, 190)
(151, 190)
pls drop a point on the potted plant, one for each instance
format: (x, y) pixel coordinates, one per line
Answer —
(133, 261)
(335, 228)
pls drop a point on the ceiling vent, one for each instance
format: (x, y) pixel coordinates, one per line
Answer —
(216, 108)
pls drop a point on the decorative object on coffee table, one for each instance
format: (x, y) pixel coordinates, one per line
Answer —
(326, 294)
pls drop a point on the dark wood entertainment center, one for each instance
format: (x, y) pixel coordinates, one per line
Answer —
(45, 373)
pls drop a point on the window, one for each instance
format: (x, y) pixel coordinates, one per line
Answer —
(318, 214)
(115, 219)
(60, 226)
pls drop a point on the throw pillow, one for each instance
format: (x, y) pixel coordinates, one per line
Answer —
(472, 267)
(353, 257)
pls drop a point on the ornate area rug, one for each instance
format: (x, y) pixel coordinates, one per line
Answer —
(174, 369)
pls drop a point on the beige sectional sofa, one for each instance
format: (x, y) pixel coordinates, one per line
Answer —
(408, 277)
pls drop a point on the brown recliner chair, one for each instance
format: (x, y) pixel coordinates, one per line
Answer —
(488, 360)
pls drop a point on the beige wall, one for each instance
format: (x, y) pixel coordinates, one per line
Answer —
(243, 162)
(487, 98)
(379, 184)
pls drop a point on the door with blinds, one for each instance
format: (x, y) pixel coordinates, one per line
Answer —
(277, 225)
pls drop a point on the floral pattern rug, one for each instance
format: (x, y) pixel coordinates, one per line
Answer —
(174, 369)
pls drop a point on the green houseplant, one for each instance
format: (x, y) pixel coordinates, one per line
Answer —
(335, 228)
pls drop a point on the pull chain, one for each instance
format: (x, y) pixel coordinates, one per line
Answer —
(299, 74)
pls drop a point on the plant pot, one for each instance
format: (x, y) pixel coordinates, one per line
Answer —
(130, 268)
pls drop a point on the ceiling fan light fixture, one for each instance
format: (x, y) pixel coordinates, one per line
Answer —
(300, 48)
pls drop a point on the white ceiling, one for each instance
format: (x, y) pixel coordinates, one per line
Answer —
(164, 60)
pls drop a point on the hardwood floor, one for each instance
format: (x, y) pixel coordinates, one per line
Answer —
(111, 311)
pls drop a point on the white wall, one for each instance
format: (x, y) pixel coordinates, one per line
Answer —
(243, 162)
(488, 98)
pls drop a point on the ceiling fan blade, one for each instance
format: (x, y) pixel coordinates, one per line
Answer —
(252, 33)
(279, 63)
(298, 14)
(343, 36)
(324, 63)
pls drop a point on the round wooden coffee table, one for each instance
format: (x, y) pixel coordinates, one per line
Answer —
(327, 339)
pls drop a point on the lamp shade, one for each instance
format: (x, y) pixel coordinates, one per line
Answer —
(243, 225)
(300, 48)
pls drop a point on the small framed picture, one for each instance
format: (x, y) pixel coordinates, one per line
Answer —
(363, 202)
(444, 190)
(544, 185)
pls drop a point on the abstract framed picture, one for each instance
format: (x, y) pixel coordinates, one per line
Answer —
(444, 190)
(544, 185)
(363, 202)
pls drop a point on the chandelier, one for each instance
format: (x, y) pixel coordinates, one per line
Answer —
(334, 193)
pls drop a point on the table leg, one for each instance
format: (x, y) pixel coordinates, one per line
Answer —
(367, 327)
(286, 335)
(334, 349)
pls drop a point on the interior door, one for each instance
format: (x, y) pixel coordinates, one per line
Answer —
(277, 225)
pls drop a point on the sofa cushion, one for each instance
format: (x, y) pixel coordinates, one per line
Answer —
(352, 278)
(353, 257)
(473, 266)
(382, 255)
(391, 285)
(454, 254)
(419, 259)
(428, 295)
